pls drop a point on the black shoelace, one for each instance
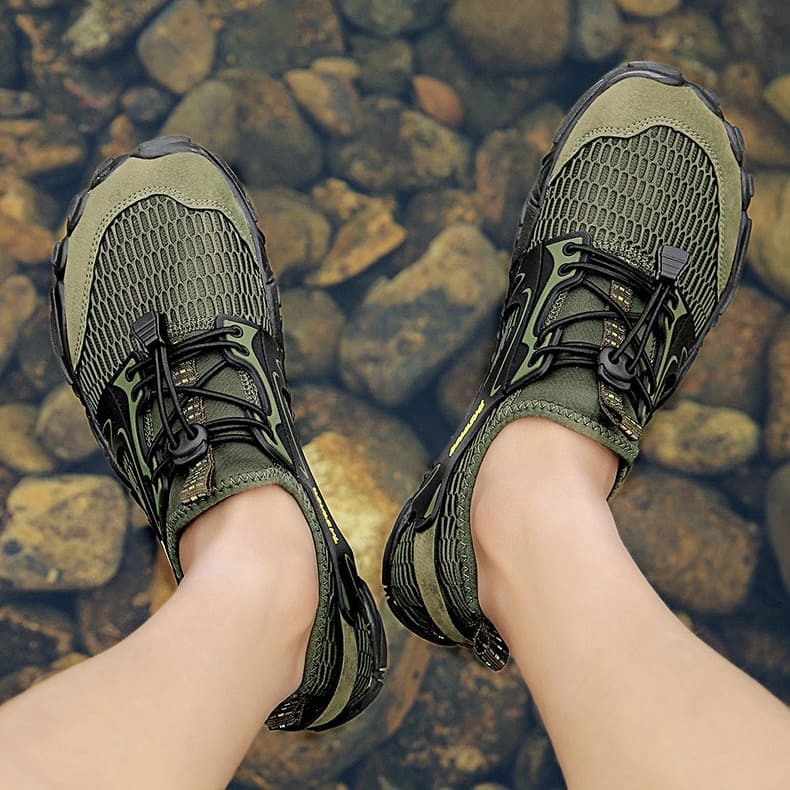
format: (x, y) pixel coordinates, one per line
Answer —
(189, 441)
(626, 367)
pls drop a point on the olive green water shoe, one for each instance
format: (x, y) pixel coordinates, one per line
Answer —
(165, 316)
(629, 249)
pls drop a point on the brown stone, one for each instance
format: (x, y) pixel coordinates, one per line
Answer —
(687, 541)
(22, 234)
(470, 732)
(109, 613)
(18, 300)
(729, 370)
(339, 201)
(63, 533)
(458, 384)
(62, 428)
(33, 635)
(648, 7)
(312, 324)
(408, 326)
(297, 235)
(19, 449)
(503, 37)
(37, 360)
(770, 231)
(438, 100)
(777, 96)
(777, 423)
(395, 456)
(700, 440)
(331, 101)
(33, 147)
(177, 47)
(368, 236)
(766, 137)
(777, 520)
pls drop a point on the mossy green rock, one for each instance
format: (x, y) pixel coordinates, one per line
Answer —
(63, 533)
(688, 542)
(407, 327)
(701, 440)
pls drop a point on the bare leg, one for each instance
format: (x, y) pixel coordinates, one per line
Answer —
(629, 696)
(179, 701)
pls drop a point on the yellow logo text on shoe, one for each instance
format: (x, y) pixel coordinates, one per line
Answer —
(467, 427)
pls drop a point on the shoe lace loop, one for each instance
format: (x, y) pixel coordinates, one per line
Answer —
(189, 441)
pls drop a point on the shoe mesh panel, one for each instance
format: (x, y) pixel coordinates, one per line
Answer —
(190, 264)
(633, 195)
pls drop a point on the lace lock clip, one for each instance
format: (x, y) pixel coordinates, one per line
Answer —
(672, 262)
(150, 330)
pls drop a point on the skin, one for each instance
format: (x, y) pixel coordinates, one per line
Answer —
(629, 696)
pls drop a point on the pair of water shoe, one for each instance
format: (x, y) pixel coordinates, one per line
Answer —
(165, 316)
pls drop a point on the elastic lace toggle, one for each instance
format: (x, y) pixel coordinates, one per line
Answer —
(672, 262)
(616, 372)
(189, 449)
(150, 330)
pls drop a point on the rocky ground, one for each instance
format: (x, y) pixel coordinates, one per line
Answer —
(388, 145)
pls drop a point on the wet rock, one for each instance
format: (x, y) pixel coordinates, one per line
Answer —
(120, 137)
(758, 31)
(19, 449)
(742, 84)
(469, 732)
(648, 7)
(689, 40)
(312, 323)
(427, 214)
(458, 385)
(505, 164)
(395, 456)
(762, 648)
(177, 47)
(438, 100)
(18, 104)
(34, 351)
(279, 146)
(385, 66)
(729, 368)
(340, 202)
(777, 423)
(208, 114)
(364, 510)
(488, 104)
(105, 25)
(63, 533)
(536, 765)
(503, 38)
(32, 147)
(148, 104)
(777, 95)
(408, 326)
(33, 635)
(18, 300)
(687, 541)
(399, 149)
(366, 238)
(701, 440)
(598, 32)
(278, 35)
(331, 101)
(8, 52)
(338, 66)
(777, 521)
(21, 236)
(766, 136)
(392, 17)
(745, 486)
(61, 426)
(109, 613)
(771, 234)
(275, 762)
(297, 235)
